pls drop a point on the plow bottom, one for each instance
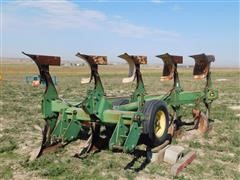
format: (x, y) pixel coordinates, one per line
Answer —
(201, 122)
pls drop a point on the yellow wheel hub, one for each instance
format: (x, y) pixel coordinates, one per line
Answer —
(160, 123)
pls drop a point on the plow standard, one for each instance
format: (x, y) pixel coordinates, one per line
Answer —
(122, 123)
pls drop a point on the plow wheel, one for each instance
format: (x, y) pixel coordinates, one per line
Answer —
(201, 122)
(46, 145)
(156, 124)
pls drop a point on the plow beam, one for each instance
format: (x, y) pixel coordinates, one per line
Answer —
(135, 73)
(170, 65)
(96, 96)
(93, 61)
(43, 62)
(50, 95)
(134, 65)
(202, 65)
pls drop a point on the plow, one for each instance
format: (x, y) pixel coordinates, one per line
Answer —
(122, 123)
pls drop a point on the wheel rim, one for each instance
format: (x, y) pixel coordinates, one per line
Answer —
(160, 123)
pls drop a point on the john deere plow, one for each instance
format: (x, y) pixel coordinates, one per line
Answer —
(122, 123)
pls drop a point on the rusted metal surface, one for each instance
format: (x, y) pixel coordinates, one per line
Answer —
(201, 122)
(134, 62)
(202, 65)
(94, 142)
(46, 146)
(135, 58)
(43, 63)
(170, 63)
(45, 60)
(171, 59)
(93, 59)
(51, 148)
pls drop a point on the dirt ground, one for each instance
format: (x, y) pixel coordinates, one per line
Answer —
(218, 151)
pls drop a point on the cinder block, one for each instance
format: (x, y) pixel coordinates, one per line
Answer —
(173, 154)
(161, 154)
(157, 156)
(182, 163)
(154, 157)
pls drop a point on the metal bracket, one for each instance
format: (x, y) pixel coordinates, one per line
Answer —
(119, 135)
(125, 137)
(132, 138)
(67, 128)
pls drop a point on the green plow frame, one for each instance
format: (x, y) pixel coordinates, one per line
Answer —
(125, 123)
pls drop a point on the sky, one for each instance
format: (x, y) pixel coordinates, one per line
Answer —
(111, 28)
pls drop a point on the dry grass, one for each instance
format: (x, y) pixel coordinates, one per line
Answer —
(218, 151)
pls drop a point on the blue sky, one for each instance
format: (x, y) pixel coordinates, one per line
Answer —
(113, 27)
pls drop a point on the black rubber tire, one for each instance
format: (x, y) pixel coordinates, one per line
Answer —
(150, 110)
(120, 102)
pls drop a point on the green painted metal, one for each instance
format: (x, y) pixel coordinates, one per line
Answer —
(67, 118)
(125, 137)
(61, 126)
(50, 93)
(73, 129)
(119, 135)
(67, 128)
(95, 101)
(140, 89)
(132, 138)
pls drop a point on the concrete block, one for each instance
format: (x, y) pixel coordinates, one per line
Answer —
(182, 163)
(155, 156)
(161, 154)
(173, 154)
